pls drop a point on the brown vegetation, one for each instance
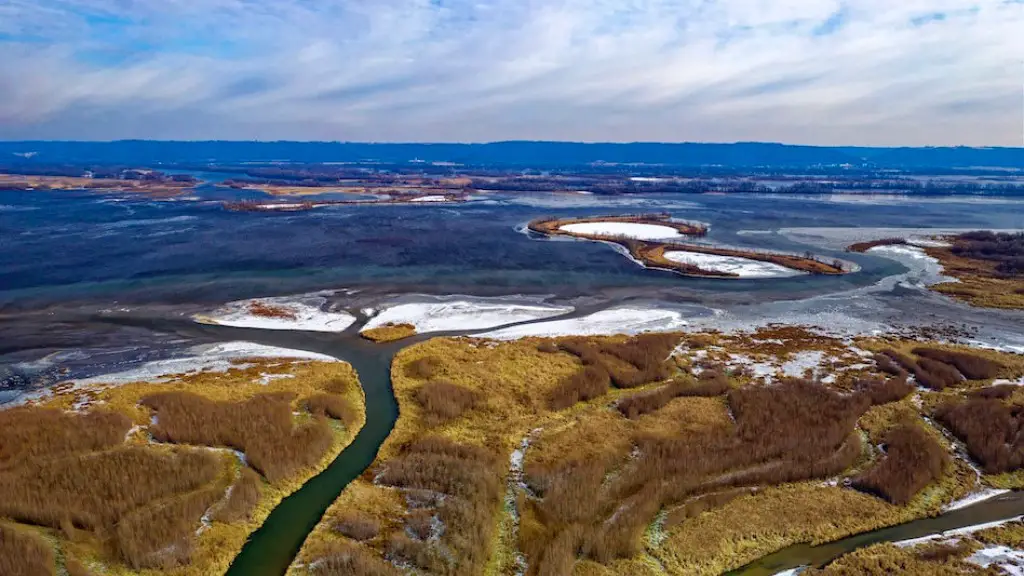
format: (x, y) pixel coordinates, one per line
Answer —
(710, 383)
(784, 433)
(423, 368)
(443, 401)
(160, 536)
(990, 429)
(865, 246)
(347, 559)
(262, 427)
(356, 525)
(28, 434)
(913, 459)
(468, 478)
(927, 372)
(24, 554)
(389, 332)
(265, 310)
(972, 366)
(884, 391)
(989, 268)
(332, 406)
(245, 494)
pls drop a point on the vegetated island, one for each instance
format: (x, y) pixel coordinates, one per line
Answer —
(653, 241)
(988, 266)
(692, 453)
(148, 182)
(168, 476)
(390, 332)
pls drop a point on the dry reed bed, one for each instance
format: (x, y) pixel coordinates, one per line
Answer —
(24, 554)
(389, 333)
(989, 269)
(627, 447)
(123, 504)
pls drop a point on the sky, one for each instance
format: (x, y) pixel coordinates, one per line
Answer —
(825, 72)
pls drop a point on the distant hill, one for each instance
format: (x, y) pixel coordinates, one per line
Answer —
(524, 153)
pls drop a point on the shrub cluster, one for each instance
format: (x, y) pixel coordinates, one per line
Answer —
(356, 525)
(793, 431)
(636, 362)
(710, 383)
(913, 459)
(270, 311)
(261, 427)
(160, 536)
(245, 494)
(424, 368)
(348, 559)
(972, 366)
(884, 391)
(1005, 250)
(470, 478)
(928, 372)
(331, 406)
(990, 429)
(443, 401)
(24, 554)
(999, 392)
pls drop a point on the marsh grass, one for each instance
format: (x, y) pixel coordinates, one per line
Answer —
(333, 406)
(710, 383)
(356, 525)
(972, 366)
(884, 391)
(24, 554)
(29, 434)
(261, 427)
(913, 459)
(443, 401)
(346, 559)
(389, 332)
(245, 494)
(990, 429)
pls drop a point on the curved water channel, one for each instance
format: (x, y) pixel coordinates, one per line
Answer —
(272, 548)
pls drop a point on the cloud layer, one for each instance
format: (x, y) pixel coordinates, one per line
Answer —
(864, 72)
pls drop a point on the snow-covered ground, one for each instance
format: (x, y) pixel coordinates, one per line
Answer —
(611, 321)
(204, 358)
(627, 229)
(744, 267)
(974, 498)
(463, 314)
(430, 198)
(924, 270)
(1008, 560)
(305, 311)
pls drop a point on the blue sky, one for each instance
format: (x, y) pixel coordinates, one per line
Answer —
(833, 72)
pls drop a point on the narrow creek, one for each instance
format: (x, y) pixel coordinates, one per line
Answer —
(272, 548)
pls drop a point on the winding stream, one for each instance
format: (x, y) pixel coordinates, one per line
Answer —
(271, 549)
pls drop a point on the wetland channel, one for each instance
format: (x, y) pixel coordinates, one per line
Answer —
(272, 548)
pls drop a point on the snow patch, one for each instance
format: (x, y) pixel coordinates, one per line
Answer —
(974, 498)
(431, 198)
(611, 321)
(743, 267)
(1009, 560)
(298, 313)
(461, 315)
(627, 229)
(956, 532)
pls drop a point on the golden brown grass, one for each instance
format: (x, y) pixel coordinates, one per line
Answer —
(442, 401)
(913, 459)
(672, 486)
(125, 507)
(24, 554)
(978, 281)
(29, 434)
(389, 332)
(884, 559)
(261, 427)
(990, 429)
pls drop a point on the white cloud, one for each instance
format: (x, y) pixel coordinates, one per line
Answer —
(912, 72)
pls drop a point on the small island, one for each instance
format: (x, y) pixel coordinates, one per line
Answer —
(653, 240)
